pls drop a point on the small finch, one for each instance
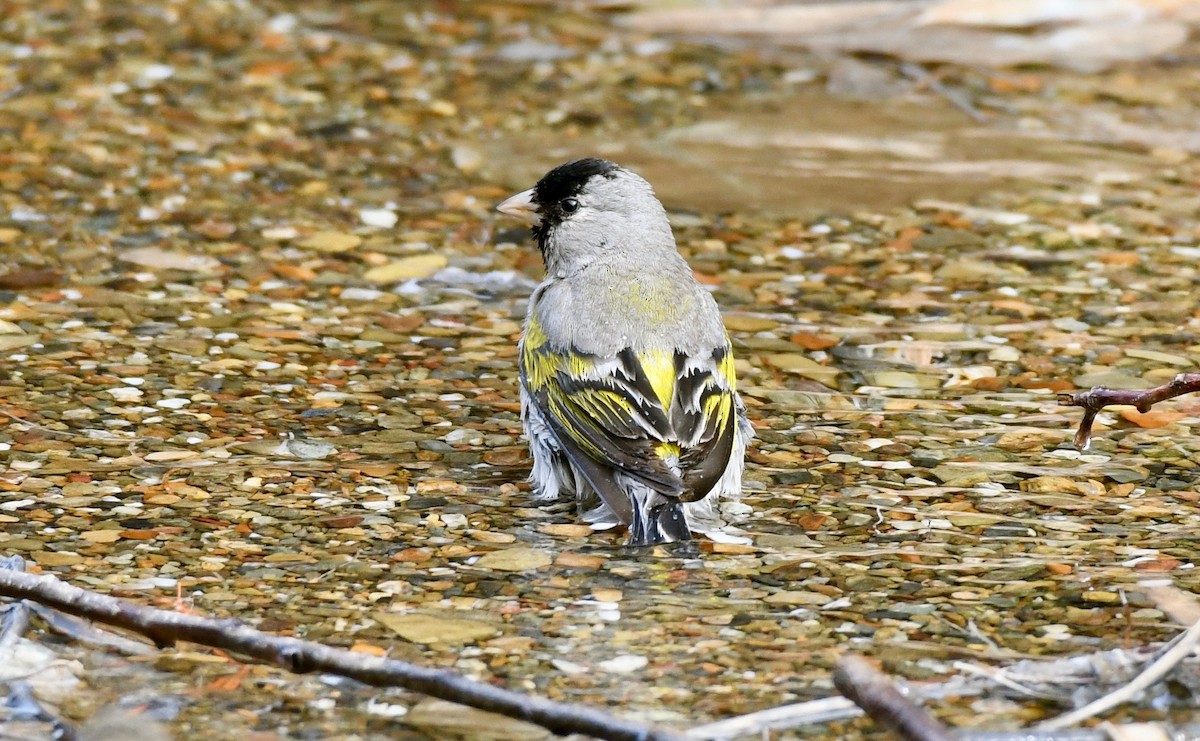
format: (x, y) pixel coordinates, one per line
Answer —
(628, 392)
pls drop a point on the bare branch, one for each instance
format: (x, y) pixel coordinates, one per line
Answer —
(1159, 668)
(786, 716)
(872, 691)
(165, 628)
(1095, 399)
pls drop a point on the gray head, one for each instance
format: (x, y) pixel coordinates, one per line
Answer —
(591, 209)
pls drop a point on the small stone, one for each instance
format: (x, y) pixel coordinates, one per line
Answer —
(280, 233)
(810, 341)
(171, 455)
(1024, 440)
(568, 667)
(1159, 357)
(1111, 379)
(804, 367)
(565, 530)
(157, 258)
(1152, 419)
(382, 218)
(56, 558)
(446, 720)
(743, 323)
(101, 536)
(624, 664)
(330, 242)
(571, 560)
(489, 536)
(515, 559)
(467, 159)
(126, 393)
(902, 380)
(969, 270)
(1064, 485)
(309, 450)
(357, 293)
(1004, 354)
(417, 266)
(798, 599)
(440, 628)
(1068, 324)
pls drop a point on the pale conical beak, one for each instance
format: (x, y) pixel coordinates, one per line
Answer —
(521, 206)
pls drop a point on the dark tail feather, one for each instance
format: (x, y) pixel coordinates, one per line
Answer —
(661, 523)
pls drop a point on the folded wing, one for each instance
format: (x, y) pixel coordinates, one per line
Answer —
(665, 419)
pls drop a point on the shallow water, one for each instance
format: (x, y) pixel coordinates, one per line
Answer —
(200, 265)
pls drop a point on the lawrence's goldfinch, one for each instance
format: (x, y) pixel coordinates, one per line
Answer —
(627, 380)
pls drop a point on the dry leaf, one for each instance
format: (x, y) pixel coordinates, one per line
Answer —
(1152, 419)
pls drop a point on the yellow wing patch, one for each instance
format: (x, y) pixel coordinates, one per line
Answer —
(534, 336)
(727, 369)
(659, 367)
(539, 367)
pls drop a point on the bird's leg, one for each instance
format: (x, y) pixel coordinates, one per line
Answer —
(1095, 399)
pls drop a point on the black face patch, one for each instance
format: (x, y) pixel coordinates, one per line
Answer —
(567, 180)
(564, 181)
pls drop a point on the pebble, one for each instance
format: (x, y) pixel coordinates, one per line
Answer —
(417, 266)
(624, 664)
(515, 559)
(331, 242)
(381, 218)
(260, 342)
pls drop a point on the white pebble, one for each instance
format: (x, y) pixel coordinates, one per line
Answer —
(125, 393)
(568, 667)
(382, 218)
(158, 72)
(624, 664)
(360, 294)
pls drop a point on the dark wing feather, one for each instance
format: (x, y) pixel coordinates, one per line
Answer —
(609, 419)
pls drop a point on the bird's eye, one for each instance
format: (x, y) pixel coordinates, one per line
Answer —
(569, 205)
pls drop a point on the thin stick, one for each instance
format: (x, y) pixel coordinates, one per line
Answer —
(956, 98)
(1095, 399)
(1157, 669)
(786, 716)
(165, 628)
(872, 691)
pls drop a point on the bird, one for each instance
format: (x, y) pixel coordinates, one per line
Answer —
(627, 382)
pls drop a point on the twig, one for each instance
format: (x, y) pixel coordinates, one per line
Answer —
(1026, 678)
(165, 628)
(86, 633)
(1095, 399)
(959, 100)
(1157, 669)
(872, 691)
(1070, 734)
(787, 716)
(1000, 676)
